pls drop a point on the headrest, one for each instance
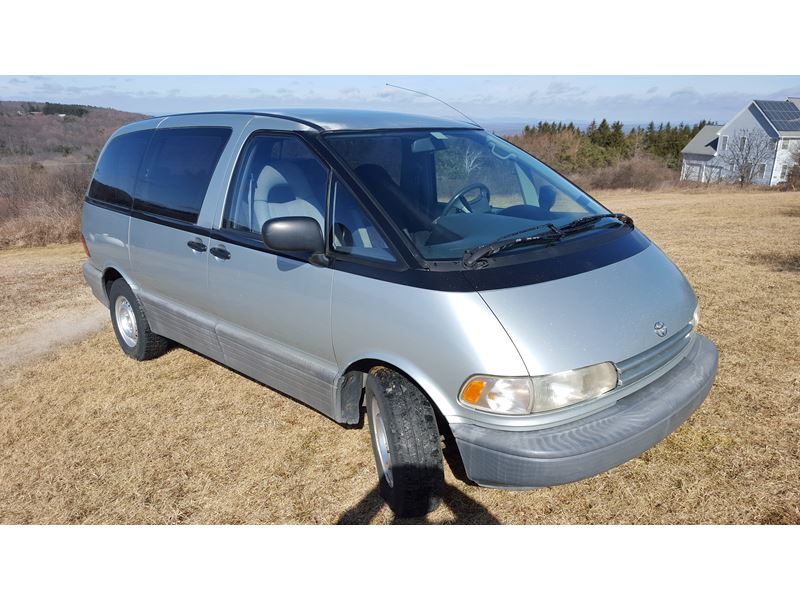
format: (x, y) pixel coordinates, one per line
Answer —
(282, 181)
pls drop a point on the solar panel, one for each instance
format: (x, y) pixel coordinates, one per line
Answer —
(785, 116)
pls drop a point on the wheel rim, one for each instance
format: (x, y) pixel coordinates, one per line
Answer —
(126, 321)
(381, 442)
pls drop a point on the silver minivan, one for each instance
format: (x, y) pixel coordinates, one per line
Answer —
(421, 270)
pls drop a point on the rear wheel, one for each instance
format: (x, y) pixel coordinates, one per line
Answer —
(405, 442)
(131, 326)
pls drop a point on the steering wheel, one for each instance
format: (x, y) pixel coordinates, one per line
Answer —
(459, 197)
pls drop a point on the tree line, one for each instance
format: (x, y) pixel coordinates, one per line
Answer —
(576, 149)
(56, 108)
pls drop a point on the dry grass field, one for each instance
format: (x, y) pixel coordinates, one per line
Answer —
(90, 436)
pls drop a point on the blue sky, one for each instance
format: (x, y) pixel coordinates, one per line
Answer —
(488, 99)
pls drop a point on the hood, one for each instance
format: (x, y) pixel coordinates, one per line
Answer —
(607, 314)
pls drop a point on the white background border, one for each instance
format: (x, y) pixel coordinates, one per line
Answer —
(399, 37)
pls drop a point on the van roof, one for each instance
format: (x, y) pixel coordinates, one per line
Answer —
(339, 119)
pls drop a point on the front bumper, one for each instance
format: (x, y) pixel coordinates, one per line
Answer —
(580, 449)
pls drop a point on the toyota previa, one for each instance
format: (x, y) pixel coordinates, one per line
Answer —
(418, 270)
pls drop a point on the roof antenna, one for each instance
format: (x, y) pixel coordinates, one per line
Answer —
(399, 87)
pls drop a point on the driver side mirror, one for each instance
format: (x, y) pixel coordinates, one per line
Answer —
(295, 234)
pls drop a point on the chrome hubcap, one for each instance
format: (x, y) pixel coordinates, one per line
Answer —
(126, 321)
(381, 443)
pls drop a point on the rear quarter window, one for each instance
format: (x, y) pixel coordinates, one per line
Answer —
(177, 169)
(115, 175)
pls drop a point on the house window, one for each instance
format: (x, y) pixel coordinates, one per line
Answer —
(784, 171)
(785, 145)
(759, 171)
(742, 142)
(723, 143)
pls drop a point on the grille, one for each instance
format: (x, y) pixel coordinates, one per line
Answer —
(634, 368)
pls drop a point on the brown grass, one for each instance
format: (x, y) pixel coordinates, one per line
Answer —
(641, 173)
(89, 436)
(40, 206)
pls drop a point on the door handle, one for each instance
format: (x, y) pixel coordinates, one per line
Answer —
(220, 252)
(196, 245)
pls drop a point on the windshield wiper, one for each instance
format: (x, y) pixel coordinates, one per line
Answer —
(584, 222)
(473, 255)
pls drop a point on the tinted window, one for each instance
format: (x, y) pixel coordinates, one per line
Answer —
(354, 232)
(384, 151)
(278, 176)
(115, 174)
(177, 169)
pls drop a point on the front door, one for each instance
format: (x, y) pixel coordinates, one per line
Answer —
(274, 311)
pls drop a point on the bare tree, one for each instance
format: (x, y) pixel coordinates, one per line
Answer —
(472, 159)
(747, 149)
(793, 178)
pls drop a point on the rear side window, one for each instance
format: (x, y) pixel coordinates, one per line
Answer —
(177, 169)
(115, 174)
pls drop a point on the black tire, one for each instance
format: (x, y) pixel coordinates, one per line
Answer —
(147, 344)
(412, 484)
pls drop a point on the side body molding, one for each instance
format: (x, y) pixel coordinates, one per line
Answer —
(296, 374)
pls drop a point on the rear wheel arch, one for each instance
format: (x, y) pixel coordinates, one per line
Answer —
(110, 275)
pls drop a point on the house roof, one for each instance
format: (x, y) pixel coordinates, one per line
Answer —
(783, 115)
(705, 142)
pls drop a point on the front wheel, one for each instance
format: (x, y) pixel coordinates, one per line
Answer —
(406, 443)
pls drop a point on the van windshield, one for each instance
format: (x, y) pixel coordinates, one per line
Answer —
(453, 190)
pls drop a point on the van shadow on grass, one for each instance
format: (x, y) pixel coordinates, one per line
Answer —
(466, 510)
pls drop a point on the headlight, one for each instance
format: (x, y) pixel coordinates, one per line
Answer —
(576, 385)
(524, 395)
(696, 317)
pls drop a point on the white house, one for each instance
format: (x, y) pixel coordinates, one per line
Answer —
(707, 156)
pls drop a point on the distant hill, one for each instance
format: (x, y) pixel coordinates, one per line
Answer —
(56, 133)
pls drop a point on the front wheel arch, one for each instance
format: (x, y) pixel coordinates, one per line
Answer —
(351, 385)
(350, 396)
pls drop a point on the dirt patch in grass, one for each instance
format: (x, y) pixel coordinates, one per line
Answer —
(90, 436)
(40, 287)
(793, 211)
(779, 261)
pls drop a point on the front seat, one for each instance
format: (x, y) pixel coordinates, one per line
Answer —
(393, 199)
(283, 190)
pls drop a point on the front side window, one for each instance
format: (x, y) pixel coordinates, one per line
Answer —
(453, 190)
(277, 176)
(177, 169)
(759, 171)
(115, 175)
(723, 144)
(353, 232)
